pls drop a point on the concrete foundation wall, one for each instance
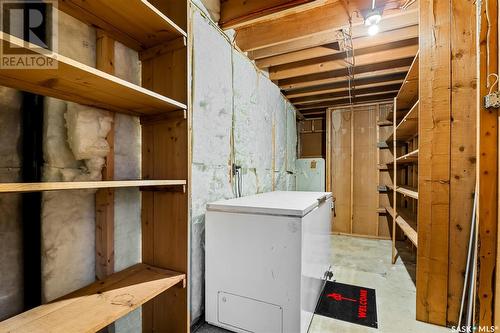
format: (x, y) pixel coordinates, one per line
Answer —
(238, 114)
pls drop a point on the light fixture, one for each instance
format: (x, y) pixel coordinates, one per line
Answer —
(372, 19)
(373, 30)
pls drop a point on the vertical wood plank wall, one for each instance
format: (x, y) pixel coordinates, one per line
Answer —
(447, 150)
(360, 128)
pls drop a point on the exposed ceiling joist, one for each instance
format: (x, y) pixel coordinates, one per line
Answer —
(345, 93)
(328, 18)
(361, 99)
(386, 52)
(371, 81)
(386, 67)
(236, 14)
(331, 49)
(357, 99)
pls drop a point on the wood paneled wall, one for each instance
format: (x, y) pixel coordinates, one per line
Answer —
(353, 137)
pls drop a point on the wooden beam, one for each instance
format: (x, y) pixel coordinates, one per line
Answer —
(374, 81)
(397, 21)
(241, 13)
(330, 17)
(387, 52)
(336, 95)
(434, 166)
(332, 48)
(488, 166)
(105, 198)
(345, 101)
(385, 67)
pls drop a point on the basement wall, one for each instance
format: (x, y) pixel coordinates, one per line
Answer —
(238, 116)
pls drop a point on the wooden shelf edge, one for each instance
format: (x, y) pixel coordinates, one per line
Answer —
(390, 211)
(96, 306)
(411, 157)
(64, 186)
(408, 226)
(410, 79)
(109, 92)
(408, 192)
(413, 112)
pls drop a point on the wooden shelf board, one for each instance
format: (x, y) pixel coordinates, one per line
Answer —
(411, 157)
(139, 24)
(97, 305)
(60, 186)
(390, 211)
(408, 191)
(383, 123)
(407, 222)
(381, 210)
(409, 90)
(408, 127)
(76, 82)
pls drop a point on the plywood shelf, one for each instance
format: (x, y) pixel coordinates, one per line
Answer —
(408, 93)
(139, 24)
(407, 191)
(97, 305)
(79, 83)
(407, 222)
(61, 186)
(411, 157)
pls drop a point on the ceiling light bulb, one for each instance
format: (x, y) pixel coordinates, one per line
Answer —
(372, 19)
(373, 30)
(373, 16)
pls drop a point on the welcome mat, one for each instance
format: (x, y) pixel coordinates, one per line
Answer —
(353, 304)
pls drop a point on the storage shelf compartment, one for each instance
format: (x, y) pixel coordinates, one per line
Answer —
(409, 90)
(97, 305)
(411, 157)
(408, 127)
(138, 24)
(407, 222)
(79, 83)
(60, 186)
(408, 191)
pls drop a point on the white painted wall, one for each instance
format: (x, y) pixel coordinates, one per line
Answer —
(231, 98)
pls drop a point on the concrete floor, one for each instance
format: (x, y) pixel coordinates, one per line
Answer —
(367, 263)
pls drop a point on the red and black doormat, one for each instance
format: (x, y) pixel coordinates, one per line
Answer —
(353, 304)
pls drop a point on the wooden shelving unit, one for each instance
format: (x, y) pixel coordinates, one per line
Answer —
(92, 308)
(405, 164)
(157, 30)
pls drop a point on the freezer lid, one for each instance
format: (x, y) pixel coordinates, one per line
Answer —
(288, 203)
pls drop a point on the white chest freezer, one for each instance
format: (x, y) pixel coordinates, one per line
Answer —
(266, 259)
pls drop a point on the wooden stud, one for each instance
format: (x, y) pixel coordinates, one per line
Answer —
(105, 198)
(488, 166)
